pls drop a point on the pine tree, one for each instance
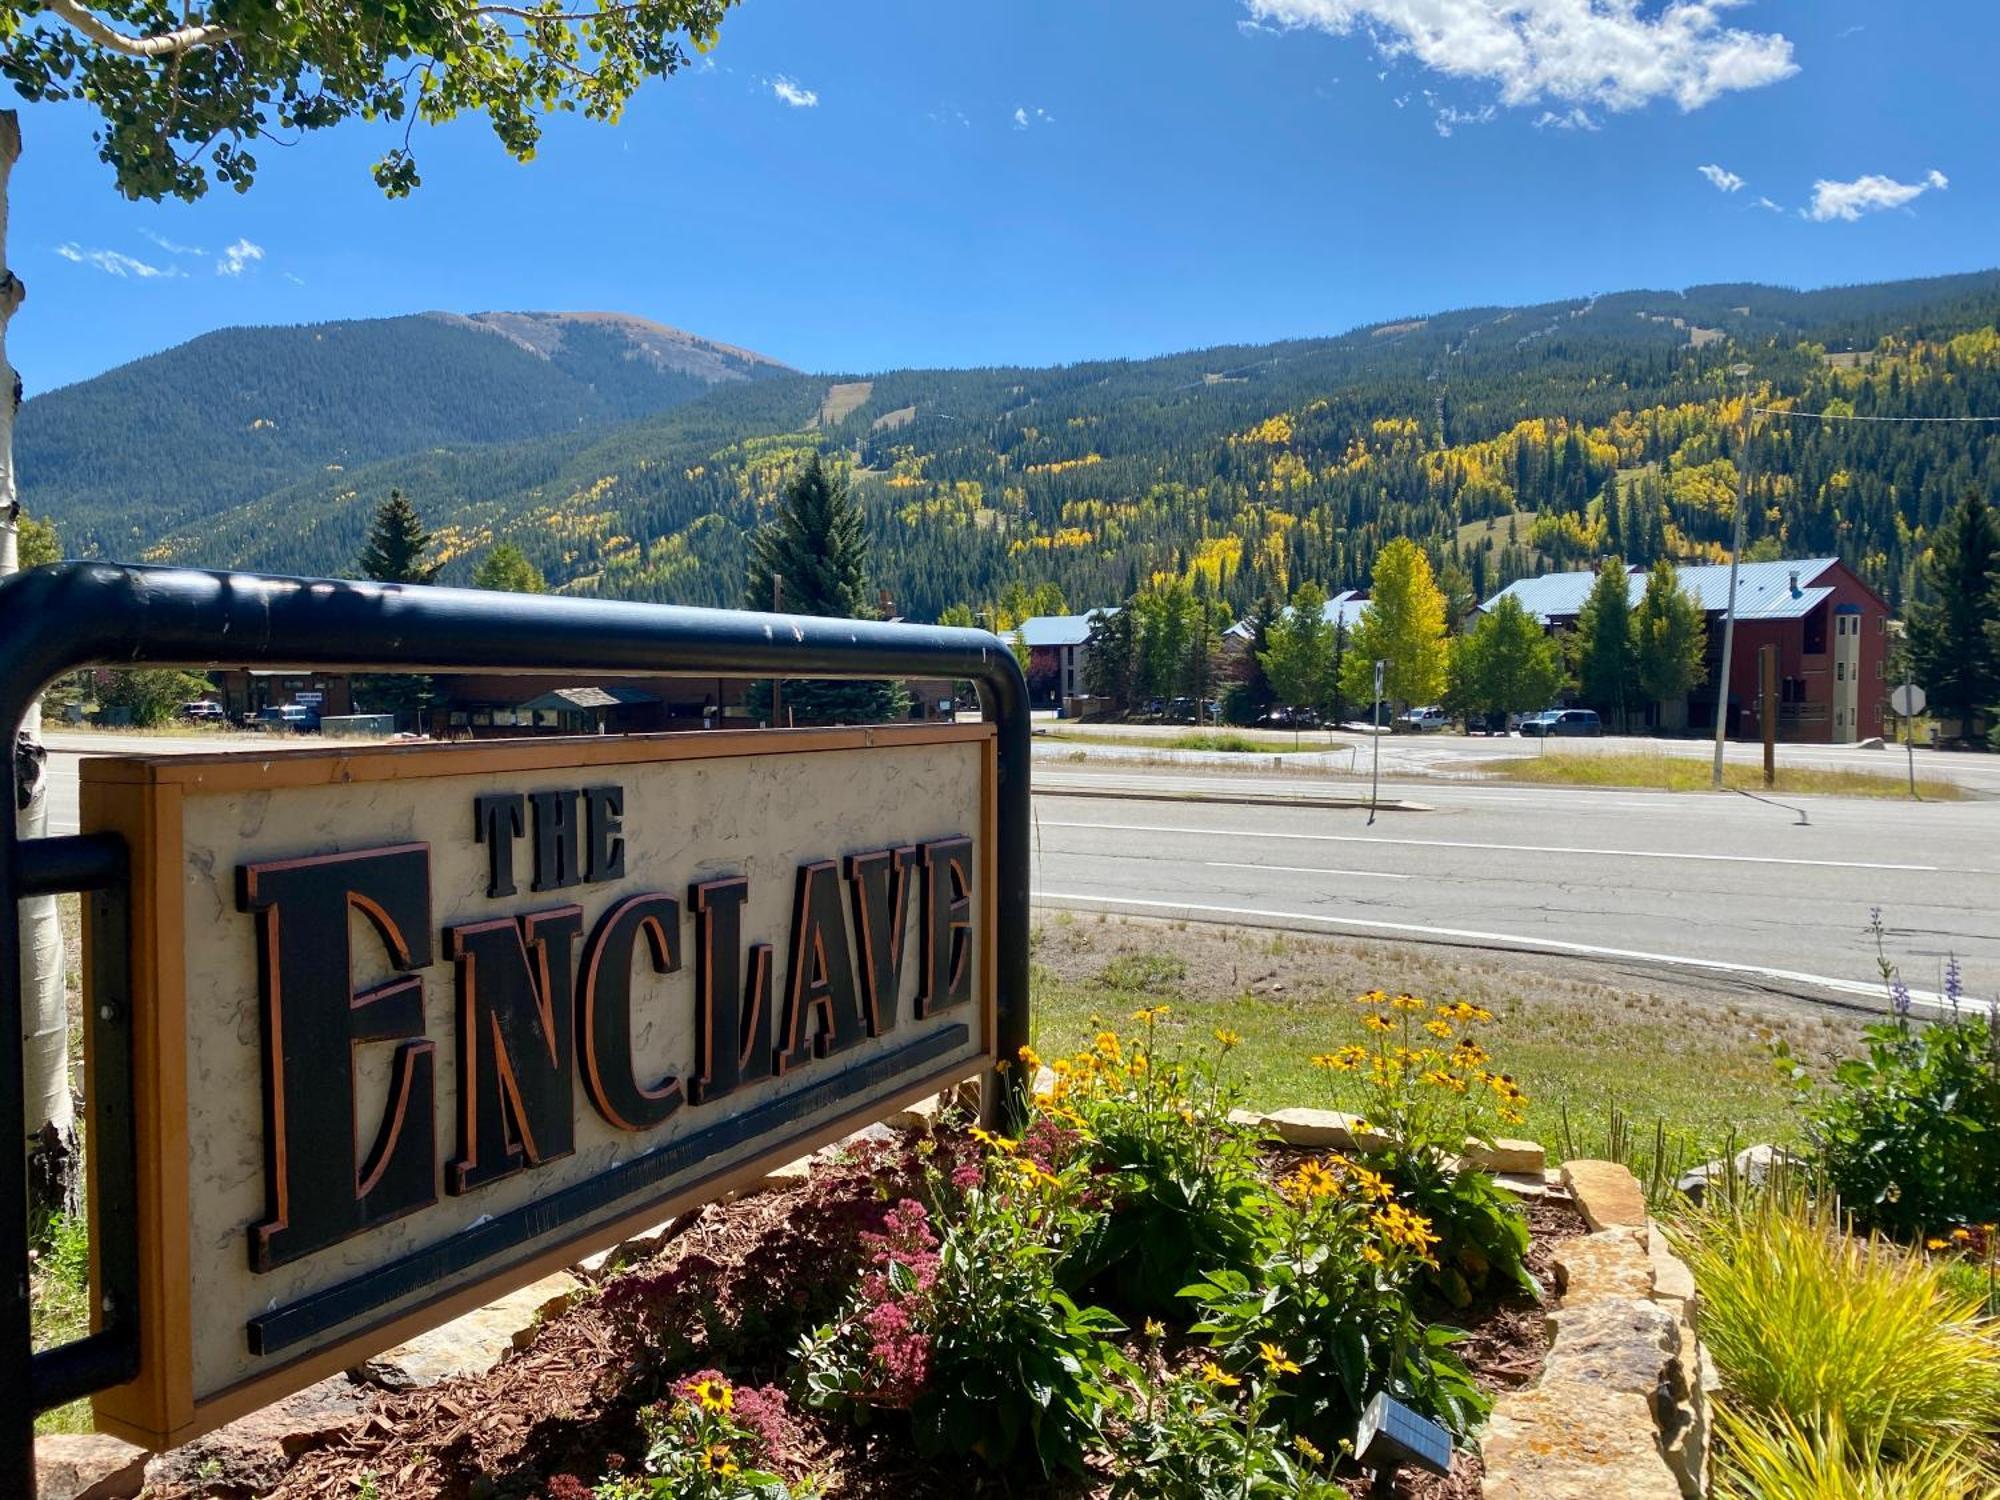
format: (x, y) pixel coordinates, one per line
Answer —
(1249, 698)
(506, 570)
(397, 543)
(1954, 626)
(1604, 658)
(1111, 657)
(1669, 638)
(817, 552)
(395, 552)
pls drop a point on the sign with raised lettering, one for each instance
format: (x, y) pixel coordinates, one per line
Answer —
(415, 1025)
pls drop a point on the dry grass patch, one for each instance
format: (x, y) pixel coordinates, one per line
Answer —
(1686, 773)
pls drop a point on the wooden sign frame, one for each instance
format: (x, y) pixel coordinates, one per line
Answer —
(142, 801)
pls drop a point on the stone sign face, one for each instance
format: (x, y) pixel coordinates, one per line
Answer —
(415, 1025)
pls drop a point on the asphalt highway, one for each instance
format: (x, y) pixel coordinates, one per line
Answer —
(1726, 886)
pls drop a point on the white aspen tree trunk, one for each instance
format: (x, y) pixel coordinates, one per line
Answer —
(44, 1004)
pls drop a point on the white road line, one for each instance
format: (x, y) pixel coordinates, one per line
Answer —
(1224, 864)
(1355, 838)
(1929, 998)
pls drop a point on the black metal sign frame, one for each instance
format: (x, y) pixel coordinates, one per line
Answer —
(56, 619)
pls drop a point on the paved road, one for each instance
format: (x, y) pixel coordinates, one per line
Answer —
(1722, 885)
(1727, 886)
(1450, 755)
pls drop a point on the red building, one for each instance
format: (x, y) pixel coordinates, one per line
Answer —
(1831, 631)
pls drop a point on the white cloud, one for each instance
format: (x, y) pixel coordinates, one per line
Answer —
(1574, 118)
(1446, 119)
(1848, 201)
(114, 263)
(170, 246)
(1766, 203)
(1725, 180)
(1026, 116)
(788, 90)
(1603, 52)
(237, 258)
(294, 280)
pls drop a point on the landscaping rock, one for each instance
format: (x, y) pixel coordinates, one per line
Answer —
(87, 1466)
(1607, 1193)
(1612, 1263)
(1574, 1443)
(1322, 1130)
(1618, 1343)
(1506, 1156)
(1753, 1166)
(1526, 1184)
(633, 1247)
(250, 1455)
(475, 1343)
(1673, 1282)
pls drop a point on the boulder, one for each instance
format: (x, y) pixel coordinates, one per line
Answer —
(1753, 1166)
(475, 1343)
(1607, 1193)
(1624, 1344)
(250, 1455)
(87, 1466)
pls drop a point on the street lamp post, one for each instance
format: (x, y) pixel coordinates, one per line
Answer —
(1735, 560)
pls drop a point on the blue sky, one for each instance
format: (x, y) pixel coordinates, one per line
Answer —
(907, 182)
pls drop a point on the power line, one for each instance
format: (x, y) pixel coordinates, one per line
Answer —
(1834, 416)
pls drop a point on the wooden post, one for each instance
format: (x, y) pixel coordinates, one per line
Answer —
(1767, 662)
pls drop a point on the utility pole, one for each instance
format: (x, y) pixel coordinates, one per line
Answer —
(777, 607)
(1735, 561)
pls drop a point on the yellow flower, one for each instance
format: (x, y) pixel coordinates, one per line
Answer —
(1372, 1184)
(715, 1395)
(1401, 1227)
(1307, 1451)
(1439, 1029)
(1215, 1375)
(1155, 1329)
(1408, 1002)
(1374, 999)
(1229, 1039)
(1275, 1361)
(1370, 1254)
(1030, 1058)
(1107, 1045)
(1310, 1180)
(715, 1459)
(1378, 1022)
(1150, 1013)
(1935, 1243)
(1962, 1235)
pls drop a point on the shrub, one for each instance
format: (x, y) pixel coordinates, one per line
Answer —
(1807, 1323)
(1779, 1460)
(1424, 1083)
(966, 1330)
(1909, 1134)
(1174, 1182)
(1188, 1436)
(712, 1441)
(1331, 1287)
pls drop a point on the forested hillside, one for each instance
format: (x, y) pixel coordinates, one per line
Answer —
(184, 435)
(1507, 440)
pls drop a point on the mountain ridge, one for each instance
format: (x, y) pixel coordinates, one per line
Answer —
(1493, 434)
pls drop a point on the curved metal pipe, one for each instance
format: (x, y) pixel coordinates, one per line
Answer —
(68, 615)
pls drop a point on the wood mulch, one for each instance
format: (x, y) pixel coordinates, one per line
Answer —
(735, 1284)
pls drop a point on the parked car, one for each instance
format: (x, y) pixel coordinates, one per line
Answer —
(1423, 720)
(295, 717)
(203, 711)
(1562, 721)
(1493, 723)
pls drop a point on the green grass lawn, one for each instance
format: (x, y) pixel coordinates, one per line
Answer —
(1686, 773)
(1230, 741)
(1582, 1049)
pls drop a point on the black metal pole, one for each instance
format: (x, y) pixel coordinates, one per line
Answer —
(69, 615)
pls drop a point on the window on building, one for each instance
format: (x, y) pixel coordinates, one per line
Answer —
(1815, 632)
(1840, 671)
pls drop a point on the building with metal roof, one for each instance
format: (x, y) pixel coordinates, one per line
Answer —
(1829, 631)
